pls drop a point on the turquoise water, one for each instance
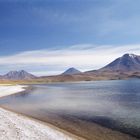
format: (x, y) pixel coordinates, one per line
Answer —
(114, 104)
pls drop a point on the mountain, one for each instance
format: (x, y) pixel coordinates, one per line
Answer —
(71, 71)
(126, 63)
(124, 67)
(18, 75)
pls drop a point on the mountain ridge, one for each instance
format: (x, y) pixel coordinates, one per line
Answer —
(124, 67)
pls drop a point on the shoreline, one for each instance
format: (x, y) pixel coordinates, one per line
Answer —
(17, 126)
(71, 135)
(55, 132)
(97, 132)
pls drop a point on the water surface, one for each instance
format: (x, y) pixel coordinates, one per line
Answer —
(114, 104)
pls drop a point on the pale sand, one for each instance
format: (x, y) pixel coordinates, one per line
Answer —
(17, 127)
(10, 89)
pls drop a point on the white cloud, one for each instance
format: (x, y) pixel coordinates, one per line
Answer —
(54, 61)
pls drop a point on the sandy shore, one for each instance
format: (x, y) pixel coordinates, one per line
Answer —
(17, 127)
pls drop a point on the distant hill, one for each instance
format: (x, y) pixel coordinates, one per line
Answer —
(71, 71)
(126, 63)
(18, 75)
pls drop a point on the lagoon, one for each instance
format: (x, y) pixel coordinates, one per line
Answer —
(114, 104)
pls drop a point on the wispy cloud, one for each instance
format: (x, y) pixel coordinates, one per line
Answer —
(54, 61)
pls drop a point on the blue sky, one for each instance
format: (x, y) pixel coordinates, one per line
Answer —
(57, 26)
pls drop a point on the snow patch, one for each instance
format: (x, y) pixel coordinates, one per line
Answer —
(10, 89)
(132, 55)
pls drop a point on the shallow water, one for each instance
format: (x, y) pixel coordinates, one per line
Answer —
(114, 104)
